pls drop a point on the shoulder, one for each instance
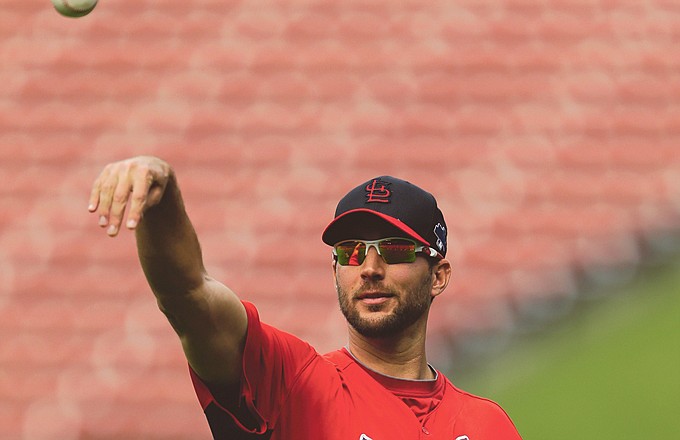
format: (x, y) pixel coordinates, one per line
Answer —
(473, 402)
(473, 409)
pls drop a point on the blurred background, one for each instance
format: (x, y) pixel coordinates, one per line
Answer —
(547, 130)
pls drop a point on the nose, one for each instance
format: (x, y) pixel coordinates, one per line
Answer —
(373, 267)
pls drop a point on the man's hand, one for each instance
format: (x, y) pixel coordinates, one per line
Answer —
(136, 184)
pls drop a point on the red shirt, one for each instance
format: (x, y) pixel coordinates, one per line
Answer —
(291, 392)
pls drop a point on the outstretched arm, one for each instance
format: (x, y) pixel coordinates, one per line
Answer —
(208, 317)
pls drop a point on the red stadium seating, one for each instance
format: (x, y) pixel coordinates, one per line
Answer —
(549, 132)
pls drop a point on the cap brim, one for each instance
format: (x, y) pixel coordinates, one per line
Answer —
(347, 225)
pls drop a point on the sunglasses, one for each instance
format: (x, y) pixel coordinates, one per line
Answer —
(392, 250)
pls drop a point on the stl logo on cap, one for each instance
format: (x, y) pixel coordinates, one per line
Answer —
(377, 192)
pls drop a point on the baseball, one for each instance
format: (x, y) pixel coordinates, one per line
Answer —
(74, 8)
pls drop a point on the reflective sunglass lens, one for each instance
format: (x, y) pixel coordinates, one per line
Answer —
(351, 253)
(398, 251)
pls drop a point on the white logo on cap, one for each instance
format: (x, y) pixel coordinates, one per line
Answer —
(440, 232)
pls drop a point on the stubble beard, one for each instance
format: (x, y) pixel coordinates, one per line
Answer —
(411, 306)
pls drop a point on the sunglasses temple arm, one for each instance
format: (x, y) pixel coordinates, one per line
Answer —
(432, 252)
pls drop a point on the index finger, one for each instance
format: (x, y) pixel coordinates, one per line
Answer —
(95, 192)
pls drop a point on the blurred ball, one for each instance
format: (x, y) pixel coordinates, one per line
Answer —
(74, 8)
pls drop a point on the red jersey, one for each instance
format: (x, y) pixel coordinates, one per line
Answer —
(290, 392)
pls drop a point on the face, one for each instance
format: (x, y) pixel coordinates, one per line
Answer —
(380, 299)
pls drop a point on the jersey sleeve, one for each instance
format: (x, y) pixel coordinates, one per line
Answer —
(272, 360)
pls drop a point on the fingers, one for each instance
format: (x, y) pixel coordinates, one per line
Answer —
(141, 186)
(94, 195)
(108, 198)
(119, 201)
(131, 185)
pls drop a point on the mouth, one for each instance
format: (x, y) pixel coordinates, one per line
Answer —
(374, 297)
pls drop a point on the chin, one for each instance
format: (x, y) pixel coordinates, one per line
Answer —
(377, 325)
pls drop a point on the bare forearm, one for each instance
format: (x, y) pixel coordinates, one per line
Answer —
(168, 248)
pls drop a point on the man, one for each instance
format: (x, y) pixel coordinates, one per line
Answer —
(256, 382)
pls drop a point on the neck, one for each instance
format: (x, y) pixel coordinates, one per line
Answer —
(398, 357)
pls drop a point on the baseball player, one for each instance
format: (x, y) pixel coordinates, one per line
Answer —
(253, 381)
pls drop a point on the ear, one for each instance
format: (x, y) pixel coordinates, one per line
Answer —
(441, 274)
